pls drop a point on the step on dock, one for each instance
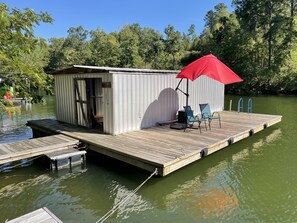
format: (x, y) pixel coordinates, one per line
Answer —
(39, 215)
(66, 158)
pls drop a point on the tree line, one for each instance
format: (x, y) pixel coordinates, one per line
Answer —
(257, 41)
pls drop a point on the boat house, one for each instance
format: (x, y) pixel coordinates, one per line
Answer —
(120, 100)
(128, 105)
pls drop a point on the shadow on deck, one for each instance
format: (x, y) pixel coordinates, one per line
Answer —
(161, 147)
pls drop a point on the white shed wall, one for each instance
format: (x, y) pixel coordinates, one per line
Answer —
(204, 90)
(65, 100)
(142, 100)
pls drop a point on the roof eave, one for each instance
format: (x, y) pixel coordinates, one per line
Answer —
(94, 69)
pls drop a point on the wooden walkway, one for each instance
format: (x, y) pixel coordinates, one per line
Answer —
(40, 215)
(34, 147)
(164, 148)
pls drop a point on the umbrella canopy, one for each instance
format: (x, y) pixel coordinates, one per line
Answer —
(212, 67)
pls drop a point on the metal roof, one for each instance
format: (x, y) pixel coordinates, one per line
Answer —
(94, 69)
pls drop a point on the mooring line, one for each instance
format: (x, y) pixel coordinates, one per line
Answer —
(116, 207)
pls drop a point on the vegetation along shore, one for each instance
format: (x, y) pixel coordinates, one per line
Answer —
(261, 49)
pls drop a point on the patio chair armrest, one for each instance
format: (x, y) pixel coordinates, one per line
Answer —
(218, 114)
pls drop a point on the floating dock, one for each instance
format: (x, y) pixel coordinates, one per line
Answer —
(19, 150)
(161, 147)
(39, 215)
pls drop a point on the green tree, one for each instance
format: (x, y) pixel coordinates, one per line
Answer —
(192, 46)
(271, 26)
(173, 45)
(65, 52)
(224, 38)
(56, 56)
(76, 48)
(105, 49)
(150, 46)
(264, 20)
(128, 38)
(20, 51)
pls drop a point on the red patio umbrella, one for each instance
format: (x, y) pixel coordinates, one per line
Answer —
(210, 66)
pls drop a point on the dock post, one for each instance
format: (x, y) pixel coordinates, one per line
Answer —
(84, 158)
(70, 160)
(84, 161)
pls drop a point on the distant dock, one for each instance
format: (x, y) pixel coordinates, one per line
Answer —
(161, 147)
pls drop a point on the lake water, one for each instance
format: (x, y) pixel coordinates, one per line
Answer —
(254, 180)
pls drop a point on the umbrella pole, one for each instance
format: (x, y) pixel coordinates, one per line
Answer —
(177, 87)
(187, 93)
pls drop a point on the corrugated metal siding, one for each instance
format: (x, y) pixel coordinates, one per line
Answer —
(65, 100)
(142, 100)
(64, 93)
(204, 90)
(137, 101)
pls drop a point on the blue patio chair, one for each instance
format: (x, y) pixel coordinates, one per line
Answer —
(191, 118)
(206, 114)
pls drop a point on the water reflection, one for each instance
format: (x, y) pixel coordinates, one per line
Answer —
(7, 167)
(214, 203)
(15, 189)
(135, 204)
(216, 192)
(8, 119)
(13, 121)
(275, 135)
(88, 193)
(203, 197)
(253, 180)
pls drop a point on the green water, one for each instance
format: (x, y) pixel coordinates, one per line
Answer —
(254, 180)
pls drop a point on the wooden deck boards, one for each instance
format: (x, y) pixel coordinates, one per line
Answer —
(39, 215)
(164, 148)
(33, 147)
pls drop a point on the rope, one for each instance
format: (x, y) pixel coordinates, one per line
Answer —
(19, 164)
(116, 207)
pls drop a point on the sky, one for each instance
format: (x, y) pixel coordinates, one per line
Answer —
(112, 15)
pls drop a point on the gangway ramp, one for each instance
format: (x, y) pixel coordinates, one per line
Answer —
(29, 148)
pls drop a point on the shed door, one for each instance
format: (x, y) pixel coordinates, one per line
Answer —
(88, 101)
(81, 102)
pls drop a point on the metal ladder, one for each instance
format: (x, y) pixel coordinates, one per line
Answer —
(240, 105)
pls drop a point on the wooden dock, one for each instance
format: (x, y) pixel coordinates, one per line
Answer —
(164, 148)
(39, 215)
(34, 147)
